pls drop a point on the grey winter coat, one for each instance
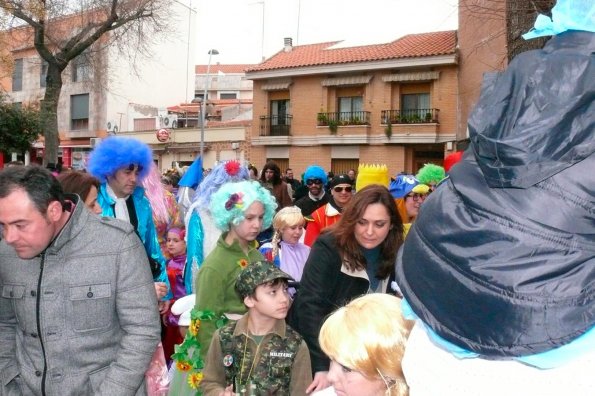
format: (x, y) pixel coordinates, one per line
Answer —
(81, 318)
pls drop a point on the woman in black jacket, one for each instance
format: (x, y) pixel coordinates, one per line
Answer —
(354, 257)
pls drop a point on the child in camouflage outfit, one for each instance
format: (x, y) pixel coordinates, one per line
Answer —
(259, 354)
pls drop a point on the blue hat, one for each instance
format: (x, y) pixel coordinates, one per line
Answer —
(402, 185)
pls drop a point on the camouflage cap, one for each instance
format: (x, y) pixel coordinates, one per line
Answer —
(258, 273)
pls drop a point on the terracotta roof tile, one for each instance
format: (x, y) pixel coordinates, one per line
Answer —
(410, 46)
(239, 68)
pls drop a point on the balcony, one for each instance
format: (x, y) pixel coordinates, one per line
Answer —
(336, 119)
(412, 116)
(275, 125)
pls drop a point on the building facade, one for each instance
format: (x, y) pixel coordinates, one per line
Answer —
(393, 103)
(104, 93)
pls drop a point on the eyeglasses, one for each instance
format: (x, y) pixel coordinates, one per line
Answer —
(417, 197)
(309, 182)
(341, 189)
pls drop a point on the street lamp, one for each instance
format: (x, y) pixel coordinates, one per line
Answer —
(203, 106)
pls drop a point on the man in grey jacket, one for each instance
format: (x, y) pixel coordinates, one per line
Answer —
(78, 311)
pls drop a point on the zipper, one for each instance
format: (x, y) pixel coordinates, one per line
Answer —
(38, 317)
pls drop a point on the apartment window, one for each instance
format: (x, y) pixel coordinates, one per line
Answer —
(415, 105)
(350, 107)
(144, 124)
(81, 69)
(79, 112)
(228, 95)
(43, 74)
(17, 75)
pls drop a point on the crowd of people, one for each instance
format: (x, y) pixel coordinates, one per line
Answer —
(471, 278)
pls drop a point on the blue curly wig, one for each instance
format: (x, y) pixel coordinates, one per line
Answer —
(315, 172)
(118, 152)
(215, 179)
(230, 202)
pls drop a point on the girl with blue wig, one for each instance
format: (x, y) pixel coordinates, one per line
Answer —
(240, 211)
(201, 232)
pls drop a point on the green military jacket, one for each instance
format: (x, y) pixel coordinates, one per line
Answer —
(279, 365)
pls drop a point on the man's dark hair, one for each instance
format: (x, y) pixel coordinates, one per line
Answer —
(39, 184)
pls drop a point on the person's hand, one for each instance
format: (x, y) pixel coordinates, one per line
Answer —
(160, 289)
(163, 306)
(228, 391)
(319, 382)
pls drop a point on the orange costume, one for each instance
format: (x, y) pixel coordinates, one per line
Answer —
(321, 218)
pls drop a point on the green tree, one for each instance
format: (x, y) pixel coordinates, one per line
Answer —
(19, 127)
(64, 29)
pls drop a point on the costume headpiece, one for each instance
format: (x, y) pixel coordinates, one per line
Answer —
(371, 174)
(117, 152)
(223, 172)
(230, 202)
(315, 172)
(430, 174)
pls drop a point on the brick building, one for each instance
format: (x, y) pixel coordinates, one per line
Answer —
(392, 103)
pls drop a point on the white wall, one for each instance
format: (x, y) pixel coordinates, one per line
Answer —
(165, 79)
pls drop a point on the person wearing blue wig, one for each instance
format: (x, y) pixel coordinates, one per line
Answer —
(201, 232)
(315, 179)
(120, 163)
(240, 211)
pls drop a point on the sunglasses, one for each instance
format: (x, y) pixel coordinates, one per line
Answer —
(417, 197)
(341, 189)
(309, 182)
(131, 167)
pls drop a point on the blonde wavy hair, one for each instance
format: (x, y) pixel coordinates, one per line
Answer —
(289, 216)
(368, 335)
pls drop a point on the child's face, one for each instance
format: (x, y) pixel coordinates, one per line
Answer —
(269, 302)
(292, 234)
(250, 227)
(175, 244)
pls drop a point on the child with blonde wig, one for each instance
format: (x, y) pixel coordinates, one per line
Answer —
(365, 341)
(285, 249)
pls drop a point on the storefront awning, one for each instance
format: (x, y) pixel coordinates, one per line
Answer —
(417, 76)
(345, 81)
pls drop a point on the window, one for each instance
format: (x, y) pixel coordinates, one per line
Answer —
(43, 74)
(350, 108)
(17, 105)
(228, 95)
(81, 69)
(415, 105)
(144, 124)
(79, 112)
(280, 117)
(17, 75)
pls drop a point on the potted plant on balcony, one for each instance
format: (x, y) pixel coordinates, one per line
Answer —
(333, 126)
(388, 130)
(322, 118)
(428, 117)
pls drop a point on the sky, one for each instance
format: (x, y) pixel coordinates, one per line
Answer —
(235, 28)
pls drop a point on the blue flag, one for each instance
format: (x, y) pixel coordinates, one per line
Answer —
(193, 175)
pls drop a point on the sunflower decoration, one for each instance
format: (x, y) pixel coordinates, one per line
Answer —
(187, 354)
(194, 327)
(195, 379)
(183, 366)
(243, 263)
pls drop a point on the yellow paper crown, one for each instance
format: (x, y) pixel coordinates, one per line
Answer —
(371, 174)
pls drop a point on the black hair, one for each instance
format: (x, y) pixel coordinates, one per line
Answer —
(39, 184)
(276, 173)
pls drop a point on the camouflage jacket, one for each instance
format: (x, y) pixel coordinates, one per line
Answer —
(279, 365)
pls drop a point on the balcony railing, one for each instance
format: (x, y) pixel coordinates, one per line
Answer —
(275, 125)
(343, 118)
(412, 116)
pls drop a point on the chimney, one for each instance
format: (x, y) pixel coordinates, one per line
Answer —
(288, 44)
